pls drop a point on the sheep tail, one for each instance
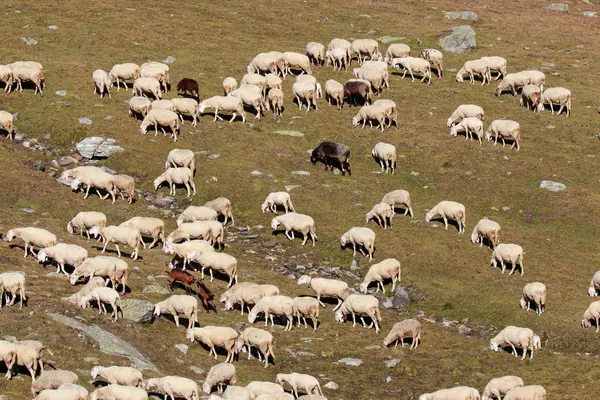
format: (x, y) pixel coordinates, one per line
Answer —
(569, 104)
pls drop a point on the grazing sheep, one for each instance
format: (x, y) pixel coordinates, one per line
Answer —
(119, 234)
(396, 50)
(158, 66)
(536, 77)
(364, 48)
(125, 185)
(305, 91)
(79, 393)
(275, 101)
(277, 199)
(594, 285)
(197, 213)
(592, 313)
(401, 197)
(375, 77)
(381, 213)
(53, 380)
(455, 393)
(28, 71)
(385, 154)
(32, 237)
(222, 206)
(179, 304)
(274, 305)
(6, 76)
(188, 85)
(147, 85)
(102, 82)
(186, 106)
(472, 67)
(273, 81)
(464, 111)
(410, 64)
(468, 125)
(391, 110)
(296, 222)
(177, 176)
(362, 237)
(303, 381)
(139, 105)
(267, 63)
(27, 357)
(229, 85)
(307, 307)
(498, 387)
(119, 392)
(330, 151)
(8, 356)
(327, 288)
(529, 392)
(246, 296)
(407, 328)
(219, 375)
(375, 65)
(497, 64)
(486, 229)
(103, 295)
(316, 53)
(258, 388)
(343, 45)
(181, 158)
(334, 91)
(71, 392)
(435, 58)
(86, 289)
(124, 72)
(507, 253)
(449, 209)
(162, 118)
(84, 221)
(6, 122)
(226, 103)
(363, 305)
(386, 269)
(258, 338)
(531, 96)
(513, 82)
(534, 292)
(12, 283)
(126, 376)
(97, 179)
(251, 96)
(255, 79)
(338, 58)
(221, 262)
(370, 113)
(62, 253)
(216, 336)
(514, 336)
(556, 95)
(38, 346)
(507, 129)
(181, 250)
(173, 386)
(112, 268)
(189, 231)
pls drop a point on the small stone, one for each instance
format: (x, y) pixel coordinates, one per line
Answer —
(373, 347)
(291, 187)
(29, 41)
(182, 348)
(291, 276)
(464, 330)
(64, 161)
(365, 16)
(169, 60)
(465, 15)
(386, 303)
(39, 166)
(155, 289)
(306, 340)
(469, 173)
(214, 156)
(197, 370)
(494, 208)
(355, 265)
(420, 314)
(256, 173)
(506, 208)
(390, 39)
(135, 310)
(331, 385)
(325, 185)
(300, 173)
(53, 27)
(290, 133)
(401, 298)
(413, 173)
(388, 379)
(552, 186)
(352, 362)
(61, 93)
(589, 14)
(548, 65)
(85, 121)
(28, 210)
(561, 7)
(393, 363)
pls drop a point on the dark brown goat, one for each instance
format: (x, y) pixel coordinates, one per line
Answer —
(206, 296)
(357, 90)
(189, 85)
(179, 275)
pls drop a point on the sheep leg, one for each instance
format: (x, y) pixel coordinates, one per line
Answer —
(25, 256)
(271, 318)
(514, 265)
(353, 320)
(363, 322)
(118, 250)
(446, 222)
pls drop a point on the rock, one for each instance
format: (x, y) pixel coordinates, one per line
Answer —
(331, 385)
(256, 173)
(182, 348)
(552, 186)
(9, 338)
(66, 160)
(53, 27)
(548, 65)
(466, 15)
(302, 353)
(352, 362)
(291, 187)
(401, 298)
(139, 311)
(214, 156)
(108, 170)
(589, 14)
(291, 133)
(29, 41)
(85, 121)
(91, 360)
(109, 343)
(469, 173)
(464, 330)
(156, 289)
(461, 40)
(393, 363)
(373, 347)
(355, 265)
(169, 60)
(561, 7)
(386, 303)
(413, 173)
(506, 208)
(300, 173)
(161, 201)
(197, 370)
(388, 379)
(97, 147)
(39, 166)
(390, 39)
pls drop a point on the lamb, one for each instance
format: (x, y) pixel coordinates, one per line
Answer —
(260, 339)
(274, 305)
(245, 296)
(181, 158)
(307, 307)
(85, 290)
(507, 129)
(507, 253)
(6, 76)
(391, 110)
(6, 122)
(316, 53)
(396, 50)
(531, 96)
(370, 113)
(119, 392)
(102, 82)
(186, 106)
(145, 85)
(119, 234)
(219, 375)
(124, 72)
(12, 283)
(226, 103)
(61, 253)
(498, 387)
(179, 304)
(53, 380)
(216, 336)
(594, 285)
(464, 111)
(381, 213)
(277, 199)
(534, 292)
(334, 91)
(468, 125)
(363, 237)
(327, 288)
(362, 305)
(29, 71)
(386, 269)
(32, 237)
(410, 64)
(115, 375)
(99, 180)
(305, 91)
(103, 295)
(556, 95)
(303, 381)
(296, 222)
(592, 313)
(173, 386)
(273, 81)
(488, 230)
(455, 393)
(115, 269)
(338, 58)
(177, 176)
(188, 85)
(156, 72)
(197, 213)
(472, 67)
(223, 207)
(435, 58)
(162, 118)
(327, 152)
(497, 64)
(407, 328)
(401, 197)
(251, 96)
(221, 262)
(385, 155)
(529, 392)
(514, 336)
(275, 101)
(449, 209)
(139, 105)
(84, 221)
(258, 388)
(513, 82)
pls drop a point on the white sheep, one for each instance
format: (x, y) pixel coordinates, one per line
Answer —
(381, 213)
(246, 296)
(339, 58)
(534, 292)
(112, 268)
(229, 85)
(296, 222)
(29, 71)
(316, 53)
(222, 206)
(53, 380)
(488, 230)
(258, 388)
(181, 158)
(273, 81)
(370, 113)
(119, 392)
(469, 125)
(186, 106)
(179, 304)
(219, 375)
(156, 72)
(24, 356)
(391, 110)
(79, 392)
(86, 289)
(529, 392)
(255, 79)
(124, 72)
(507, 253)
(334, 91)
(258, 338)
(376, 78)
(497, 64)
(145, 85)
(225, 103)
(556, 95)
(513, 82)
(84, 221)
(536, 77)
(181, 250)
(362, 237)
(514, 336)
(464, 111)
(177, 176)
(407, 328)
(274, 305)
(62, 253)
(148, 226)
(304, 307)
(6, 76)
(343, 44)
(125, 185)
(236, 393)
(386, 269)
(102, 82)
(139, 105)
(189, 231)
(385, 155)
(7, 123)
(126, 376)
(119, 234)
(158, 65)
(309, 383)
(592, 313)
(363, 305)
(163, 118)
(472, 67)
(251, 96)
(531, 96)
(410, 64)
(594, 285)
(12, 283)
(305, 92)
(275, 101)
(197, 213)
(396, 50)
(8, 355)
(38, 346)
(296, 61)
(64, 393)
(32, 237)
(364, 48)
(221, 262)
(277, 199)
(98, 180)
(173, 386)
(401, 197)
(327, 288)
(271, 62)
(449, 209)
(455, 393)
(103, 295)
(506, 129)
(498, 387)
(216, 336)
(435, 58)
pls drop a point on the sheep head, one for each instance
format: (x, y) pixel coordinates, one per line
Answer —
(585, 323)
(252, 315)
(94, 373)
(84, 302)
(95, 231)
(41, 256)
(494, 346)
(156, 310)
(364, 287)
(537, 342)
(74, 278)
(274, 223)
(592, 291)
(340, 316)
(158, 181)
(190, 335)
(459, 77)
(523, 303)
(356, 119)
(304, 280)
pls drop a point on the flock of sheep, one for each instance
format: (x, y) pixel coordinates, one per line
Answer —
(199, 235)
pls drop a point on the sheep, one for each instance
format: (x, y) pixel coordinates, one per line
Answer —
(119, 392)
(303, 381)
(396, 50)
(126, 376)
(79, 393)
(229, 85)
(401, 197)
(86, 289)
(507, 129)
(381, 213)
(273, 81)
(362, 237)
(186, 106)
(8, 355)
(275, 101)
(62, 254)
(255, 79)
(513, 82)
(357, 89)
(334, 91)
(531, 96)
(514, 336)
(316, 53)
(160, 66)
(506, 252)
(219, 375)
(179, 304)
(153, 227)
(497, 64)
(85, 220)
(362, 305)
(189, 231)
(385, 155)
(391, 110)
(313, 80)
(464, 111)
(435, 58)
(407, 328)
(216, 336)
(181, 158)
(65, 393)
(343, 45)
(469, 125)
(188, 85)
(139, 105)
(534, 292)
(124, 72)
(556, 95)
(99, 180)
(251, 96)
(245, 296)
(277, 199)
(296, 222)
(52, 380)
(236, 393)
(221, 262)
(375, 77)
(455, 393)
(6, 76)
(145, 85)
(267, 63)
(103, 295)
(486, 229)
(410, 64)
(156, 72)
(29, 71)
(498, 387)
(257, 388)
(594, 285)
(115, 269)
(364, 48)
(173, 386)
(177, 176)
(449, 209)
(162, 118)
(592, 312)
(529, 392)
(12, 283)
(102, 82)
(327, 152)
(260, 339)
(28, 357)
(386, 269)
(6, 122)
(536, 77)
(38, 346)
(472, 68)
(338, 58)
(327, 288)
(369, 113)
(226, 103)
(274, 305)
(125, 185)
(119, 234)
(305, 306)
(305, 91)
(32, 237)
(197, 213)
(223, 207)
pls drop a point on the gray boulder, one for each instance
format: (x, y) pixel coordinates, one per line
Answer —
(561, 7)
(461, 40)
(156, 289)
(465, 15)
(352, 362)
(97, 147)
(552, 186)
(401, 298)
(139, 311)
(290, 133)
